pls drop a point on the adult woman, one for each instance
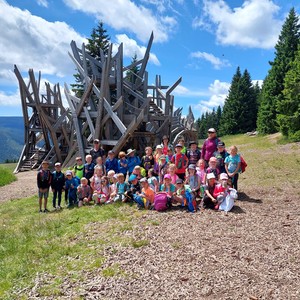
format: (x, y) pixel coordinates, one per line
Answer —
(210, 145)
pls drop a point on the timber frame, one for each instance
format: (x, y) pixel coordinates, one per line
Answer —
(117, 106)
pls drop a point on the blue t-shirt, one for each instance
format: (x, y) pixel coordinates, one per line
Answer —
(232, 162)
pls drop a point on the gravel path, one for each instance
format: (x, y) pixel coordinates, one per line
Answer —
(24, 187)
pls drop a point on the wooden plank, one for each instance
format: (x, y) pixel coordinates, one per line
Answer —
(114, 117)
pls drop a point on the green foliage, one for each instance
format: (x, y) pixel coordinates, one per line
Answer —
(6, 176)
(240, 108)
(273, 85)
(99, 41)
(131, 74)
(288, 108)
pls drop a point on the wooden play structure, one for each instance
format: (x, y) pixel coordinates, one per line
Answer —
(118, 106)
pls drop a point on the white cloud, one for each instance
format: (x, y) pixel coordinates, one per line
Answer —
(130, 47)
(126, 15)
(182, 91)
(32, 42)
(215, 61)
(218, 91)
(43, 3)
(252, 25)
(10, 99)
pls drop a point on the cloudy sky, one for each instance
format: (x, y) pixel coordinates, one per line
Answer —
(202, 41)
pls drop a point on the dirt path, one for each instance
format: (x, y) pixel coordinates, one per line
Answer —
(24, 187)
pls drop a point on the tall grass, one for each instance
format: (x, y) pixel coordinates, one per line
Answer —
(7, 175)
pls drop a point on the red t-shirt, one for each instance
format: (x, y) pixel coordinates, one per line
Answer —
(180, 161)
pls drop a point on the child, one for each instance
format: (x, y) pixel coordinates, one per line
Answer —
(171, 171)
(112, 188)
(157, 155)
(89, 168)
(147, 195)
(102, 194)
(193, 154)
(212, 168)
(179, 195)
(168, 187)
(111, 162)
(152, 180)
(44, 178)
(201, 172)
(84, 192)
(122, 187)
(169, 155)
(110, 175)
(134, 187)
(122, 163)
(72, 182)
(233, 165)
(193, 180)
(162, 169)
(138, 172)
(57, 185)
(133, 160)
(182, 142)
(100, 164)
(208, 200)
(220, 155)
(181, 161)
(78, 168)
(221, 190)
(147, 161)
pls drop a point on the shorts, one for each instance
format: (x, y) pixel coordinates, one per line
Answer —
(44, 194)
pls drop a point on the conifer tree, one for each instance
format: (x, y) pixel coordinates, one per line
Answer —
(271, 95)
(99, 40)
(289, 108)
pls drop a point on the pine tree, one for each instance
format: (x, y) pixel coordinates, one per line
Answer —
(231, 109)
(289, 108)
(273, 85)
(99, 40)
(131, 74)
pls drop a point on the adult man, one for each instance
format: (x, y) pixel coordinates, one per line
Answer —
(97, 151)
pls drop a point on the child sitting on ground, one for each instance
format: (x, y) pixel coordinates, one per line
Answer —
(102, 194)
(122, 187)
(152, 180)
(134, 187)
(168, 187)
(146, 197)
(193, 180)
(208, 200)
(112, 187)
(84, 192)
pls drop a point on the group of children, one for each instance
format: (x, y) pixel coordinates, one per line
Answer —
(181, 175)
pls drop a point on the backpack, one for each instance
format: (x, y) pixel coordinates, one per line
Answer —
(190, 201)
(243, 164)
(161, 202)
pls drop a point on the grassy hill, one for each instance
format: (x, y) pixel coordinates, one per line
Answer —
(11, 138)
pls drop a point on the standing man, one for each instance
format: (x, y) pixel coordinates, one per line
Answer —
(97, 151)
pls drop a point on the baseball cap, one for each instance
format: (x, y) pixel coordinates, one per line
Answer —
(178, 145)
(211, 130)
(168, 176)
(210, 176)
(179, 181)
(58, 164)
(223, 176)
(221, 144)
(68, 172)
(191, 166)
(132, 177)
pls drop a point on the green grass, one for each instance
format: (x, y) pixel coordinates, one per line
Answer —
(7, 176)
(60, 243)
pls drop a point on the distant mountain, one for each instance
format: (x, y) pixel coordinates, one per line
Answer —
(11, 138)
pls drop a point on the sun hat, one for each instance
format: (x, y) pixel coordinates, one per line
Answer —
(129, 151)
(167, 176)
(211, 176)
(211, 130)
(132, 177)
(223, 176)
(192, 166)
(179, 181)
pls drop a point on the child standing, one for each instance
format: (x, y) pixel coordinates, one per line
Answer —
(72, 182)
(181, 162)
(162, 168)
(133, 160)
(193, 154)
(100, 164)
(111, 162)
(44, 178)
(89, 168)
(233, 165)
(84, 192)
(157, 155)
(212, 168)
(57, 185)
(122, 163)
(220, 155)
(147, 161)
(78, 168)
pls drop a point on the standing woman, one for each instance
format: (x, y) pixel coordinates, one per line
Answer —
(166, 144)
(210, 145)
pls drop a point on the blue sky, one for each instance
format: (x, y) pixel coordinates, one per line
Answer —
(202, 41)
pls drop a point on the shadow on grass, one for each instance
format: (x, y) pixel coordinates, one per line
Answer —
(245, 198)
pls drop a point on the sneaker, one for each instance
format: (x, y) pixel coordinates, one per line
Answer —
(46, 210)
(40, 211)
(217, 207)
(58, 207)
